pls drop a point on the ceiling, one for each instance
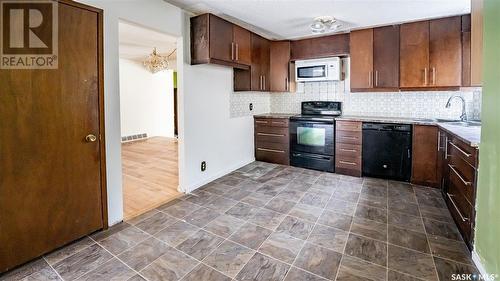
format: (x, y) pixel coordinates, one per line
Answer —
(290, 19)
(137, 42)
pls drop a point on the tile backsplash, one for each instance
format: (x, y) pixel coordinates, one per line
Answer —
(424, 104)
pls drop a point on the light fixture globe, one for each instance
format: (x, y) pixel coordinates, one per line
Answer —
(323, 24)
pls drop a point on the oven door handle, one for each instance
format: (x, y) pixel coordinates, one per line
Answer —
(312, 156)
(303, 122)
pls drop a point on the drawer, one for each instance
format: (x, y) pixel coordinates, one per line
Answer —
(461, 210)
(261, 137)
(349, 126)
(346, 162)
(349, 150)
(463, 175)
(457, 148)
(273, 122)
(276, 131)
(348, 137)
(272, 153)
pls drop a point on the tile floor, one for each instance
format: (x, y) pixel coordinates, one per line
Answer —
(271, 222)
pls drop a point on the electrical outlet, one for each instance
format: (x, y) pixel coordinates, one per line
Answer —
(203, 166)
(250, 106)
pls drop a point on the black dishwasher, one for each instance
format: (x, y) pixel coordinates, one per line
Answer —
(387, 151)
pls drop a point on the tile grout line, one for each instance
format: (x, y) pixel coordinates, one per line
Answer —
(53, 269)
(387, 234)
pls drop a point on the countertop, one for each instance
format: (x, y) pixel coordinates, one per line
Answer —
(471, 135)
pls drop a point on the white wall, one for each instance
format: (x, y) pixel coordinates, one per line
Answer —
(206, 131)
(146, 100)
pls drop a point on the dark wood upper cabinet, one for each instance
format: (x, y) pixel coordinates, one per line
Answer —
(242, 45)
(414, 54)
(425, 167)
(375, 58)
(260, 69)
(280, 66)
(215, 40)
(386, 57)
(320, 47)
(466, 51)
(431, 53)
(221, 39)
(445, 46)
(361, 48)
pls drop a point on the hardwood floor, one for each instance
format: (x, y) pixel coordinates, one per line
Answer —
(150, 174)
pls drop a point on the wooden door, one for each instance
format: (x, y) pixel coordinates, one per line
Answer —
(362, 59)
(256, 69)
(445, 60)
(280, 66)
(221, 39)
(51, 178)
(414, 54)
(242, 45)
(266, 64)
(425, 168)
(386, 56)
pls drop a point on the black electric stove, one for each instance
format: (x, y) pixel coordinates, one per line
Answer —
(312, 135)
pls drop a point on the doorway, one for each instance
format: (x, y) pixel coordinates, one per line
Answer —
(148, 118)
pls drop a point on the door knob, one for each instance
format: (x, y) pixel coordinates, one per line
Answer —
(90, 138)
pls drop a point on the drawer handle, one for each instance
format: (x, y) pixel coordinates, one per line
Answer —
(458, 175)
(271, 150)
(261, 122)
(347, 163)
(459, 149)
(270, 135)
(456, 208)
(281, 123)
(349, 150)
(350, 138)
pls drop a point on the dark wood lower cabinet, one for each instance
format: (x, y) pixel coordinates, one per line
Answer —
(425, 170)
(459, 182)
(52, 176)
(271, 139)
(348, 152)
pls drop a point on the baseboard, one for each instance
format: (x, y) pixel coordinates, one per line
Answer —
(477, 261)
(219, 174)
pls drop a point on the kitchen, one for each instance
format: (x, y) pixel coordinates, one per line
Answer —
(318, 140)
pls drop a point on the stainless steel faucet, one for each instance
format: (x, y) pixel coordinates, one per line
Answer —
(463, 117)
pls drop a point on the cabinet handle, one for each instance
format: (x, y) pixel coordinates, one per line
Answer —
(261, 83)
(270, 150)
(264, 82)
(433, 75)
(460, 150)
(349, 150)
(456, 208)
(286, 84)
(425, 76)
(270, 135)
(347, 163)
(446, 147)
(237, 52)
(439, 140)
(260, 122)
(370, 77)
(232, 50)
(376, 78)
(350, 138)
(467, 183)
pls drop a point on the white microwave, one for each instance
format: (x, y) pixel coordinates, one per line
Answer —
(328, 69)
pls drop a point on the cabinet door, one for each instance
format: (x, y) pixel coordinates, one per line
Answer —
(265, 64)
(386, 57)
(280, 61)
(414, 54)
(477, 42)
(242, 45)
(362, 59)
(221, 39)
(445, 59)
(425, 156)
(256, 68)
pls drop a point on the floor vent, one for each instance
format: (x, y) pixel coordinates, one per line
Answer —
(134, 137)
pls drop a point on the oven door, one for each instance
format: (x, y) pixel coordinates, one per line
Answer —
(311, 73)
(312, 137)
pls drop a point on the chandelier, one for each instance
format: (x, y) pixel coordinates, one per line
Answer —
(156, 62)
(324, 24)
